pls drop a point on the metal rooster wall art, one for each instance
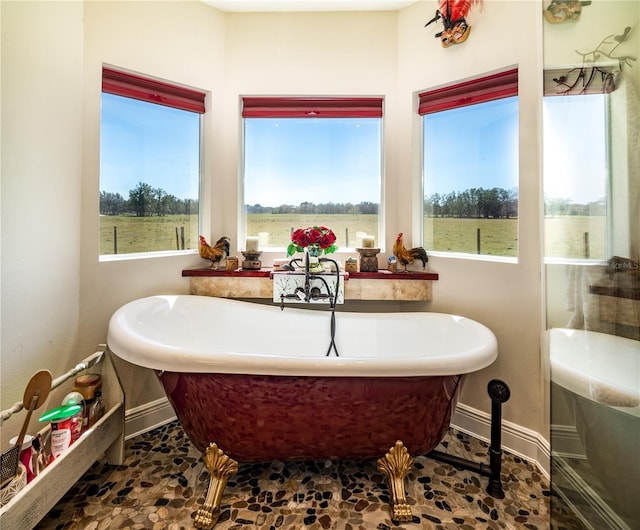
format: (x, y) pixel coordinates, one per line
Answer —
(453, 14)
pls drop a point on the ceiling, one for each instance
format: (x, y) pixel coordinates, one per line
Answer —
(308, 5)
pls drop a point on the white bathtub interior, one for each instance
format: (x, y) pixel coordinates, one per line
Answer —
(581, 361)
(190, 333)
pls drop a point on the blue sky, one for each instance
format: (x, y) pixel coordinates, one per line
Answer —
(331, 160)
(472, 147)
(143, 142)
(575, 147)
(320, 160)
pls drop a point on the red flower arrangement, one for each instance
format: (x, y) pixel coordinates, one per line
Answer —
(317, 239)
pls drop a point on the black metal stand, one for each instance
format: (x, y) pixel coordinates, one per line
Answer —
(499, 393)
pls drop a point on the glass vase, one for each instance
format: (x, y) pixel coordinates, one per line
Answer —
(315, 251)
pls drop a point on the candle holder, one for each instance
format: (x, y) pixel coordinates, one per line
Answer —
(351, 265)
(232, 263)
(368, 259)
(251, 260)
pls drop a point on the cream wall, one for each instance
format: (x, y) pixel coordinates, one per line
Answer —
(305, 54)
(42, 48)
(56, 297)
(504, 296)
(388, 54)
(179, 41)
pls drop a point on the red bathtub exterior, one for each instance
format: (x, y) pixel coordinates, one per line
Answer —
(255, 418)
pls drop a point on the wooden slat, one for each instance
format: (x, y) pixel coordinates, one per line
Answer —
(33, 502)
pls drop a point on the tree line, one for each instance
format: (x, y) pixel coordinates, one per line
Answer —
(145, 201)
(554, 206)
(475, 202)
(495, 203)
(312, 208)
(498, 203)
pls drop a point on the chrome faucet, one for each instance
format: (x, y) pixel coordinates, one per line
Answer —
(310, 293)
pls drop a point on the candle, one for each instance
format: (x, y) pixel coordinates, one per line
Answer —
(251, 244)
(368, 242)
(279, 262)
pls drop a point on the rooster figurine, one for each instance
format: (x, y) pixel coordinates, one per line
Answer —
(215, 253)
(405, 257)
(453, 14)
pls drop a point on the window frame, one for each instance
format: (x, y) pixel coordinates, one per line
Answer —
(126, 83)
(491, 86)
(311, 107)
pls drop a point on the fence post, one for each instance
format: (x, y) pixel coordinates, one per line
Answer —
(587, 251)
(177, 240)
(346, 237)
(115, 239)
(182, 237)
(478, 240)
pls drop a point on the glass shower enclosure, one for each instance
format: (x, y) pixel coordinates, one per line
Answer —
(591, 172)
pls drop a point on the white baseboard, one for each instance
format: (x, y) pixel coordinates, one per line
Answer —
(600, 514)
(565, 441)
(518, 440)
(515, 438)
(147, 417)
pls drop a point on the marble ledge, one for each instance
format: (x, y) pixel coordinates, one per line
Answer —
(381, 285)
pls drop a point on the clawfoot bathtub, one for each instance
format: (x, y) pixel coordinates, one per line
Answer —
(250, 382)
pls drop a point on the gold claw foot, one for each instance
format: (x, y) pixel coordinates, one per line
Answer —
(220, 467)
(395, 465)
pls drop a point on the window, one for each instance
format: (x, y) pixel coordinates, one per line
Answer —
(579, 193)
(312, 161)
(470, 166)
(575, 176)
(149, 165)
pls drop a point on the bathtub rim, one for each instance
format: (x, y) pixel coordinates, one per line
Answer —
(145, 352)
(577, 377)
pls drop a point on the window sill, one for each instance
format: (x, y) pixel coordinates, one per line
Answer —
(132, 256)
(473, 257)
(381, 285)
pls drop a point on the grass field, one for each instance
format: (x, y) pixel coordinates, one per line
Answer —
(345, 226)
(147, 234)
(565, 236)
(495, 237)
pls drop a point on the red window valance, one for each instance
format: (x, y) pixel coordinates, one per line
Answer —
(151, 90)
(489, 88)
(303, 107)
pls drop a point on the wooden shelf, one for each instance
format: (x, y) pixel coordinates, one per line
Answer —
(632, 293)
(388, 275)
(382, 274)
(381, 285)
(208, 272)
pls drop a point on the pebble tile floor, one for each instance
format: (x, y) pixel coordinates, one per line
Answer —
(162, 482)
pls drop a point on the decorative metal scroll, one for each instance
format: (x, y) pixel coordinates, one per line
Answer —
(598, 73)
(581, 80)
